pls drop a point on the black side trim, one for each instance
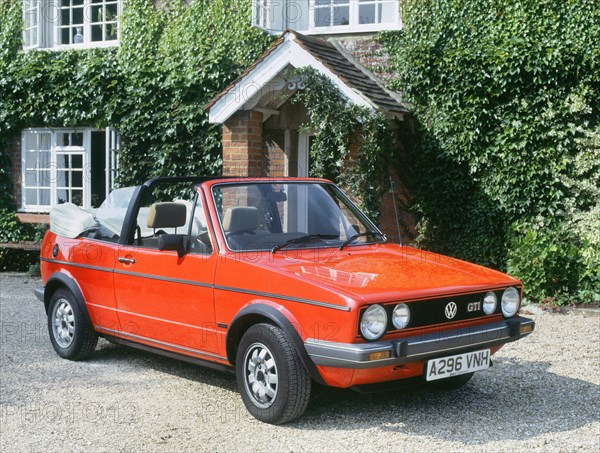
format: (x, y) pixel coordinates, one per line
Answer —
(59, 279)
(170, 354)
(282, 297)
(203, 284)
(252, 311)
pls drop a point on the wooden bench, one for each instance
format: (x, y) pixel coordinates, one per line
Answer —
(27, 245)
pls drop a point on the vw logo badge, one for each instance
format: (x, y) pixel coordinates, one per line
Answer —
(450, 310)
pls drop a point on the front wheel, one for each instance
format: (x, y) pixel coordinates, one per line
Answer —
(274, 384)
(71, 334)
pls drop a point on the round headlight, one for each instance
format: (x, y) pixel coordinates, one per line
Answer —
(489, 303)
(401, 316)
(510, 301)
(373, 322)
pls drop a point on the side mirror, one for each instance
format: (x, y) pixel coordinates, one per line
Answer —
(173, 242)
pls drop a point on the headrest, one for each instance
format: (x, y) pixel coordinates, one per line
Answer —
(166, 215)
(240, 218)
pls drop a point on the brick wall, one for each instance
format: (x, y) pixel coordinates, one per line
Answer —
(368, 53)
(243, 145)
(13, 151)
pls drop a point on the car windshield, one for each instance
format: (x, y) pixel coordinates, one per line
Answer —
(271, 216)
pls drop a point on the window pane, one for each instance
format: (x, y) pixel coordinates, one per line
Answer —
(77, 197)
(96, 15)
(31, 159)
(366, 14)
(341, 15)
(77, 139)
(62, 178)
(65, 17)
(77, 179)
(63, 139)
(62, 195)
(76, 161)
(44, 197)
(62, 161)
(111, 32)
(111, 12)
(31, 196)
(322, 17)
(387, 12)
(96, 33)
(44, 178)
(77, 16)
(44, 140)
(44, 159)
(31, 179)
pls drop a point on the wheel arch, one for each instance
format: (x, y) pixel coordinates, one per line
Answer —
(61, 280)
(262, 313)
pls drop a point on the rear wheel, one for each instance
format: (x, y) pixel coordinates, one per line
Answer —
(71, 334)
(274, 384)
(454, 382)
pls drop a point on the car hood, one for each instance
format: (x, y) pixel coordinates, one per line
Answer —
(390, 272)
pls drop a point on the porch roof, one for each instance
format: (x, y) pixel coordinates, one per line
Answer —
(295, 50)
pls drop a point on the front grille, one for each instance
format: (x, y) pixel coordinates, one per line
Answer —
(430, 312)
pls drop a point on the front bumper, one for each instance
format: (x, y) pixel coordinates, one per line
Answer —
(418, 347)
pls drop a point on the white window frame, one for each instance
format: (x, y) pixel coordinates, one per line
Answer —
(111, 164)
(353, 27)
(49, 26)
(32, 29)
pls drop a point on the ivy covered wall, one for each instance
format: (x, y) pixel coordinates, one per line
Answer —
(505, 169)
(171, 61)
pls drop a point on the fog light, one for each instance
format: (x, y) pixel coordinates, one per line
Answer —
(380, 355)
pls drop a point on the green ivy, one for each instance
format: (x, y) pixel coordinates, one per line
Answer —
(171, 61)
(339, 127)
(504, 166)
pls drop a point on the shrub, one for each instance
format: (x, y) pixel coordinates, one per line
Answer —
(505, 167)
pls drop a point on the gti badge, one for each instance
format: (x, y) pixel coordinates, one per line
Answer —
(473, 306)
(450, 310)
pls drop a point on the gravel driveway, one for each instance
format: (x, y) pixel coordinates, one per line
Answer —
(542, 394)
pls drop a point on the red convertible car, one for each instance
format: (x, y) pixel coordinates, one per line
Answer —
(284, 281)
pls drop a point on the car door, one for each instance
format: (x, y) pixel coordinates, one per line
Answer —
(166, 300)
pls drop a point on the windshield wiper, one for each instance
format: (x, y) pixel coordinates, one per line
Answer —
(360, 235)
(301, 239)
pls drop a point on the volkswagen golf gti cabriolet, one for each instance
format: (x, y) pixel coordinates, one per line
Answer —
(284, 281)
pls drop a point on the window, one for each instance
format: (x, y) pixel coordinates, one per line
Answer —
(31, 20)
(67, 166)
(59, 23)
(330, 13)
(326, 16)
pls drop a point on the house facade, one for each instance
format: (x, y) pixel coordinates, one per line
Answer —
(262, 133)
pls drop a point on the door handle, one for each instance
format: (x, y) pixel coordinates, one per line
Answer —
(126, 260)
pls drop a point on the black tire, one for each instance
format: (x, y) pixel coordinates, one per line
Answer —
(71, 334)
(283, 400)
(451, 383)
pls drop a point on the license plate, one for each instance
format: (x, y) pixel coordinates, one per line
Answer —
(457, 364)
